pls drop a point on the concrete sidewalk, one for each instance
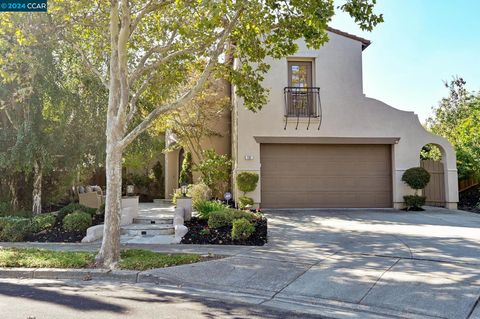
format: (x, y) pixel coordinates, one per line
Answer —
(345, 264)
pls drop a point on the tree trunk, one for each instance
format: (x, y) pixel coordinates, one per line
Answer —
(12, 184)
(109, 253)
(37, 188)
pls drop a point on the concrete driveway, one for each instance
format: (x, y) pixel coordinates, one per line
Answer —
(356, 264)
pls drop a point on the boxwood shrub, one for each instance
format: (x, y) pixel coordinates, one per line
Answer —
(77, 221)
(242, 229)
(243, 201)
(43, 222)
(226, 217)
(14, 228)
(72, 207)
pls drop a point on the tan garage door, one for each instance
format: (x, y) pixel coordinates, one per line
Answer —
(325, 175)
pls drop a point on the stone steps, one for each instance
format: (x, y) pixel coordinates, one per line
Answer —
(153, 220)
(148, 229)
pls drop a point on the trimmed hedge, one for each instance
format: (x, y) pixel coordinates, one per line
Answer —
(242, 229)
(247, 181)
(43, 222)
(226, 217)
(416, 177)
(414, 201)
(77, 221)
(72, 207)
(14, 228)
(243, 201)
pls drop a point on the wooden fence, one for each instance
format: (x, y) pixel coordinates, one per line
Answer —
(465, 184)
(435, 190)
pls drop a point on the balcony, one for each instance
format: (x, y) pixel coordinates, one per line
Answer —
(302, 102)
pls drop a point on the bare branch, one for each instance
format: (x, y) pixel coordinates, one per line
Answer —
(134, 100)
(190, 94)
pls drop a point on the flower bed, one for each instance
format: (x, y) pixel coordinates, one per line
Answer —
(200, 233)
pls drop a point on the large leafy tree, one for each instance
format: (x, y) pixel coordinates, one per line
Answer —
(48, 106)
(147, 49)
(457, 118)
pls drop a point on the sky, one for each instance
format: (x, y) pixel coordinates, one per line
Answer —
(421, 44)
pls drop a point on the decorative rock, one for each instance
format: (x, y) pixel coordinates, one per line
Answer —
(93, 233)
(180, 231)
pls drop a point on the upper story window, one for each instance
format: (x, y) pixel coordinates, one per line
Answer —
(300, 74)
(301, 98)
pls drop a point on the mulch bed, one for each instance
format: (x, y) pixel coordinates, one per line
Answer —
(57, 234)
(469, 198)
(200, 233)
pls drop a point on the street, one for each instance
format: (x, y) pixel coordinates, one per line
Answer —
(54, 299)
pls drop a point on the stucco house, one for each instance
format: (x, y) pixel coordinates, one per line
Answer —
(320, 142)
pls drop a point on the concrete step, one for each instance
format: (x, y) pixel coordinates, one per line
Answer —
(153, 220)
(158, 239)
(148, 230)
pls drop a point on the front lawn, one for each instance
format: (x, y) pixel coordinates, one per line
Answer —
(132, 259)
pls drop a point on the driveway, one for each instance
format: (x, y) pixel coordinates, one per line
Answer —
(356, 264)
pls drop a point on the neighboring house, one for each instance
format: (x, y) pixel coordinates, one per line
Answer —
(320, 142)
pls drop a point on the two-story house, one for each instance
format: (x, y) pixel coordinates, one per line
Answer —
(320, 142)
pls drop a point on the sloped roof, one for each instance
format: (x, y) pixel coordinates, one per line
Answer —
(365, 42)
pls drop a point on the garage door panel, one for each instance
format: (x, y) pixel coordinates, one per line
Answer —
(325, 183)
(312, 175)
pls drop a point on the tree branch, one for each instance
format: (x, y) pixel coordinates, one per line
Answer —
(149, 7)
(189, 95)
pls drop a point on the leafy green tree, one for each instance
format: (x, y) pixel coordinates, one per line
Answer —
(145, 51)
(215, 170)
(457, 118)
(45, 128)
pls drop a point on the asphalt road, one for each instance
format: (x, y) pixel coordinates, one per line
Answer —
(48, 299)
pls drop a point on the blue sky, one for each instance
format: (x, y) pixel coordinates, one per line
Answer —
(420, 44)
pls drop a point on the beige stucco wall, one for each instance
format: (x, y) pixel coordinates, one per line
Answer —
(220, 143)
(347, 112)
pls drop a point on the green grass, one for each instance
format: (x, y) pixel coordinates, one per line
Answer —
(139, 259)
(133, 259)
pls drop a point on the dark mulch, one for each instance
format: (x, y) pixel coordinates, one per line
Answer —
(57, 234)
(200, 233)
(469, 199)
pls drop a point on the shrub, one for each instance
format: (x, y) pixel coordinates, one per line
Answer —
(199, 192)
(247, 181)
(243, 201)
(416, 177)
(220, 218)
(186, 176)
(5, 208)
(238, 214)
(42, 222)
(72, 207)
(215, 170)
(77, 221)
(242, 229)
(414, 201)
(14, 228)
(225, 217)
(205, 208)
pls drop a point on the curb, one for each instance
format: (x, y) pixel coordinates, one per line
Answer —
(77, 274)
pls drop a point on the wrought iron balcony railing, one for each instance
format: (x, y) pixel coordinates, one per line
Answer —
(302, 103)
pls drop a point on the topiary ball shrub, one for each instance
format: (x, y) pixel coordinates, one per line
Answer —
(14, 228)
(242, 229)
(247, 181)
(77, 221)
(42, 222)
(414, 202)
(243, 201)
(416, 177)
